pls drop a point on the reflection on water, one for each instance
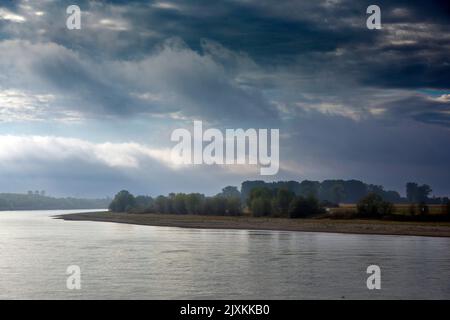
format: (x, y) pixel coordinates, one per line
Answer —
(121, 261)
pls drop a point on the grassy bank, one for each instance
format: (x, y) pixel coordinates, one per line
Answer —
(436, 229)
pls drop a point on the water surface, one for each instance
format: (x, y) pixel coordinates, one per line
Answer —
(122, 261)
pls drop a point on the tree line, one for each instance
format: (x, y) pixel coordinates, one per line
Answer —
(38, 201)
(281, 202)
(178, 203)
(289, 199)
(345, 191)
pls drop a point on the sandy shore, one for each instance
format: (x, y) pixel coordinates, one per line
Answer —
(439, 229)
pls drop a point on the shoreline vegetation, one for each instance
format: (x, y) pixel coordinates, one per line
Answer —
(294, 200)
(289, 206)
(355, 226)
(38, 200)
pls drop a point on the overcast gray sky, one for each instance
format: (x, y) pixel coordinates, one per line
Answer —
(89, 112)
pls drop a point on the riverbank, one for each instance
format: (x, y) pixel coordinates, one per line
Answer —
(432, 229)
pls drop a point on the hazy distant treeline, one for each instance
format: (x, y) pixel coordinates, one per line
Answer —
(284, 199)
(15, 201)
(345, 191)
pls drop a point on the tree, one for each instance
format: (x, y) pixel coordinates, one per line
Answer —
(379, 190)
(354, 190)
(144, 203)
(230, 192)
(416, 193)
(281, 201)
(260, 201)
(248, 186)
(337, 193)
(260, 207)
(233, 206)
(122, 202)
(4, 204)
(392, 196)
(179, 204)
(219, 206)
(259, 192)
(160, 204)
(194, 202)
(342, 191)
(423, 192)
(411, 191)
(373, 206)
(302, 207)
(309, 188)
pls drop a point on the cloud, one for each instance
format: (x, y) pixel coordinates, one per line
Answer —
(78, 167)
(349, 101)
(194, 84)
(64, 165)
(10, 16)
(380, 151)
(59, 149)
(21, 106)
(422, 108)
(47, 68)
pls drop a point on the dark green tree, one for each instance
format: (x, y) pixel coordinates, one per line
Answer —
(160, 204)
(302, 207)
(423, 192)
(411, 192)
(194, 203)
(373, 206)
(261, 207)
(281, 202)
(309, 188)
(259, 192)
(179, 204)
(122, 202)
(338, 193)
(416, 193)
(230, 192)
(144, 203)
(233, 206)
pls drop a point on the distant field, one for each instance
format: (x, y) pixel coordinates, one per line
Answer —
(398, 208)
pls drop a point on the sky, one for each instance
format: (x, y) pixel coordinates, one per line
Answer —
(90, 112)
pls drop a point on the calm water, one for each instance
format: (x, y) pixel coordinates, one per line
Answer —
(140, 262)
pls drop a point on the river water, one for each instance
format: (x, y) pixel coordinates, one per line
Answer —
(122, 261)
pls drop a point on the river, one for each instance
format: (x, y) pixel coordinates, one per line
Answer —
(122, 261)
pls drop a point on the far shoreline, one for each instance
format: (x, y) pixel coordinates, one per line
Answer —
(349, 226)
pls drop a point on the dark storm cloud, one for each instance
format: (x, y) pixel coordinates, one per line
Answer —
(379, 151)
(300, 43)
(345, 97)
(89, 86)
(272, 33)
(410, 73)
(421, 108)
